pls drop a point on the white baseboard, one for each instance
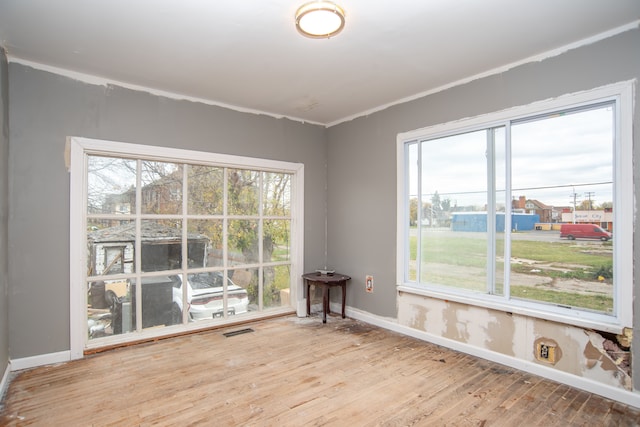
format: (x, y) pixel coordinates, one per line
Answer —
(40, 360)
(610, 392)
(4, 383)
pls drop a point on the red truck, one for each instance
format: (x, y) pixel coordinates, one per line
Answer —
(583, 231)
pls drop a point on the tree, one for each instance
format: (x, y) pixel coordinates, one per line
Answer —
(435, 201)
(413, 211)
(427, 211)
(107, 178)
(583, 206)
(112, 181)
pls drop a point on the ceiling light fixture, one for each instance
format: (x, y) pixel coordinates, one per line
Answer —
(320, 19)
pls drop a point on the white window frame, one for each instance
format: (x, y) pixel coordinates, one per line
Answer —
(622, 93)
(79, 148)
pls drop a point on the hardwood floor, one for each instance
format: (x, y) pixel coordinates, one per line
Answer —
(298, 372)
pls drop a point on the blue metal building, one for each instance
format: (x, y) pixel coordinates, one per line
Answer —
(477, 221)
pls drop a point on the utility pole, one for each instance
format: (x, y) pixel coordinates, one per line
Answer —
(575, 196)
(589, 194)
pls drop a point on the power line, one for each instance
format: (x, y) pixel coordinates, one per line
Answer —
(524, 188)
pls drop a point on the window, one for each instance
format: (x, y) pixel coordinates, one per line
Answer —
(173, 238)
(484, 205)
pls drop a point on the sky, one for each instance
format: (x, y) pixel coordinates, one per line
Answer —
(552, 158)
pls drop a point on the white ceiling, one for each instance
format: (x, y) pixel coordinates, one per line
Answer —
(247, 54)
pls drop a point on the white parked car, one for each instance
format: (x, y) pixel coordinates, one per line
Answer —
(205, 296)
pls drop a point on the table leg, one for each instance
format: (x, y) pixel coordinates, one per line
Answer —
(308, 299)
(344, 297)
(325, 303)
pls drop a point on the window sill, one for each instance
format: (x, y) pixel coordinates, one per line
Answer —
(599, 322)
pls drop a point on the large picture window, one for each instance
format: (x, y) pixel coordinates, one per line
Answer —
(172, 239)
(526, 210)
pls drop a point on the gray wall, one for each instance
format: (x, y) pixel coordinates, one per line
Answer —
(362, 159)
(45, 109)
(4, 193)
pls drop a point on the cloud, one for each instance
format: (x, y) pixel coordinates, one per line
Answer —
(553, 158)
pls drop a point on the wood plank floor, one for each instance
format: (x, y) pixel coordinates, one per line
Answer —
(297, 372)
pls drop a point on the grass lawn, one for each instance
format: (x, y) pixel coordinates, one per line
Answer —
(596, 302)
(473, 252)
(563, 260)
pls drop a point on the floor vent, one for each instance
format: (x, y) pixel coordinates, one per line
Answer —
(238, 332)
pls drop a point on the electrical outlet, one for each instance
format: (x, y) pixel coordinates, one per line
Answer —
(369, 283)
(546, 352)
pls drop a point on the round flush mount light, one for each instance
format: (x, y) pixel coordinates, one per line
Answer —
(320, 19)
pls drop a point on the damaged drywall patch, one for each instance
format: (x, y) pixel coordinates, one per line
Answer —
(421, 313)
(501, 333)
(455, 326)
(419, 319)
(569, 349)
(600, 350)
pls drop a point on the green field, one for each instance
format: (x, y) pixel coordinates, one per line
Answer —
(461, 262)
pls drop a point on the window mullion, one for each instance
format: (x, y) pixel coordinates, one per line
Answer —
(508, 209)
(138, 246)
(260, 241)
(418, 218)
(225, 236)
(185, 244)
(491, 212)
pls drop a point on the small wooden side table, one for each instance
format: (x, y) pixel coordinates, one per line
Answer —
(326, 281)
